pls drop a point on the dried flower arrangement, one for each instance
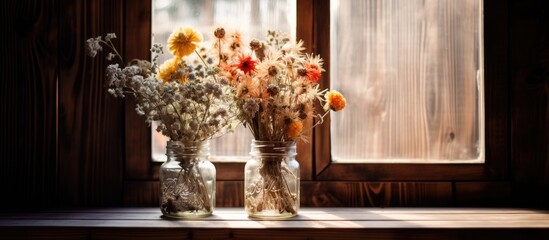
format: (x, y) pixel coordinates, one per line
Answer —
(184, 95)
(276, 86)
(269, 86)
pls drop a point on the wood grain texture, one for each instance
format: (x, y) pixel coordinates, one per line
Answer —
(90, 120)
(317, 223)
(28, 166)
(147, 193)
(66, 142)
(137, 22)
(529, 69)
(376, 194)
(496, 87)
(412, 72)
(497, 115)
(487, 194)
(305, 32)
(318, 194)
(290, 234)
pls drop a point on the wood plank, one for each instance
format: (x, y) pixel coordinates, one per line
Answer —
(45, 233)
(137, 20)
(348, 218)
(305, 19)
(90, 120)
(28, 92)
(164, 233)
(146, 193)
(377, 194)
(483, 194)
(317, 194)
(529, 68)
(305, 215)
(496, 88)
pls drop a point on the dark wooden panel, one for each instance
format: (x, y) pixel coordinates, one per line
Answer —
(138, 163)
(410, 172)
(28, 73)
(378, 194)
(321, 29)
(229, 171)
(141, 193)
(496, 89)
(529, 50)
(318, 194)
(90, 120)
(305, 32)
(483, 193)
(146, 193)
(229, 194)
(530, 195)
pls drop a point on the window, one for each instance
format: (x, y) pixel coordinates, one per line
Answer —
(413, 73)
(364, 64)
(252, 18)
(325, 172)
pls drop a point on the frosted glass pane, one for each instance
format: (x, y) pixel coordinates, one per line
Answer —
(251, 17)
(412, 73)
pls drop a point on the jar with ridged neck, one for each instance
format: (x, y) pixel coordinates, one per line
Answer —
(187, 180)
(271, 180)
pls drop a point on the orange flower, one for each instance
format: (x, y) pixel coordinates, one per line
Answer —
(246, 64)
(294, 129)
(184, 41)
(170, 71)
(334, 101)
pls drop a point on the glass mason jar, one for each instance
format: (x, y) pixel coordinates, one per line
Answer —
(187, 180)
(271, 180)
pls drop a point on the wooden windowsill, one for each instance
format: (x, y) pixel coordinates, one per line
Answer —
(312, 223)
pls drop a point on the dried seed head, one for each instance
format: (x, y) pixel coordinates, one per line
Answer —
(302, 115)
(219, 32)
(273, 90)
(302, 72)
(255, 44)
(273, 71)
(287, 121)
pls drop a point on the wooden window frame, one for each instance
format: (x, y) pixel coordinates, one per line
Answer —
(317, 169)
(496, 115)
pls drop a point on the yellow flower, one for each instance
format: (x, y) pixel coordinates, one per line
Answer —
(184, 41)
(334, 101)
(170, 71)
(294, 129)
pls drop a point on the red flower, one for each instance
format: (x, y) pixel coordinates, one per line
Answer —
(313, 75)
(313, 72)
(246, 64)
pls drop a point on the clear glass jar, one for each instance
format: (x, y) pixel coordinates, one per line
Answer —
(187, 180)
(271, 180)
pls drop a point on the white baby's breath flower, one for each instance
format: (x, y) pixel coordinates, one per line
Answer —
(110, 56)
(93, 45)
(110, 36)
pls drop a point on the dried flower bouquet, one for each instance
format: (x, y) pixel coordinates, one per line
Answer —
(276, 86)
(183, 95)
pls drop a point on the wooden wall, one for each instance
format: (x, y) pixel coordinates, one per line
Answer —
(62, 140)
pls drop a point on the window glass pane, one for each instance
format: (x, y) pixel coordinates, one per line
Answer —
(251, 17)
(412, 73)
